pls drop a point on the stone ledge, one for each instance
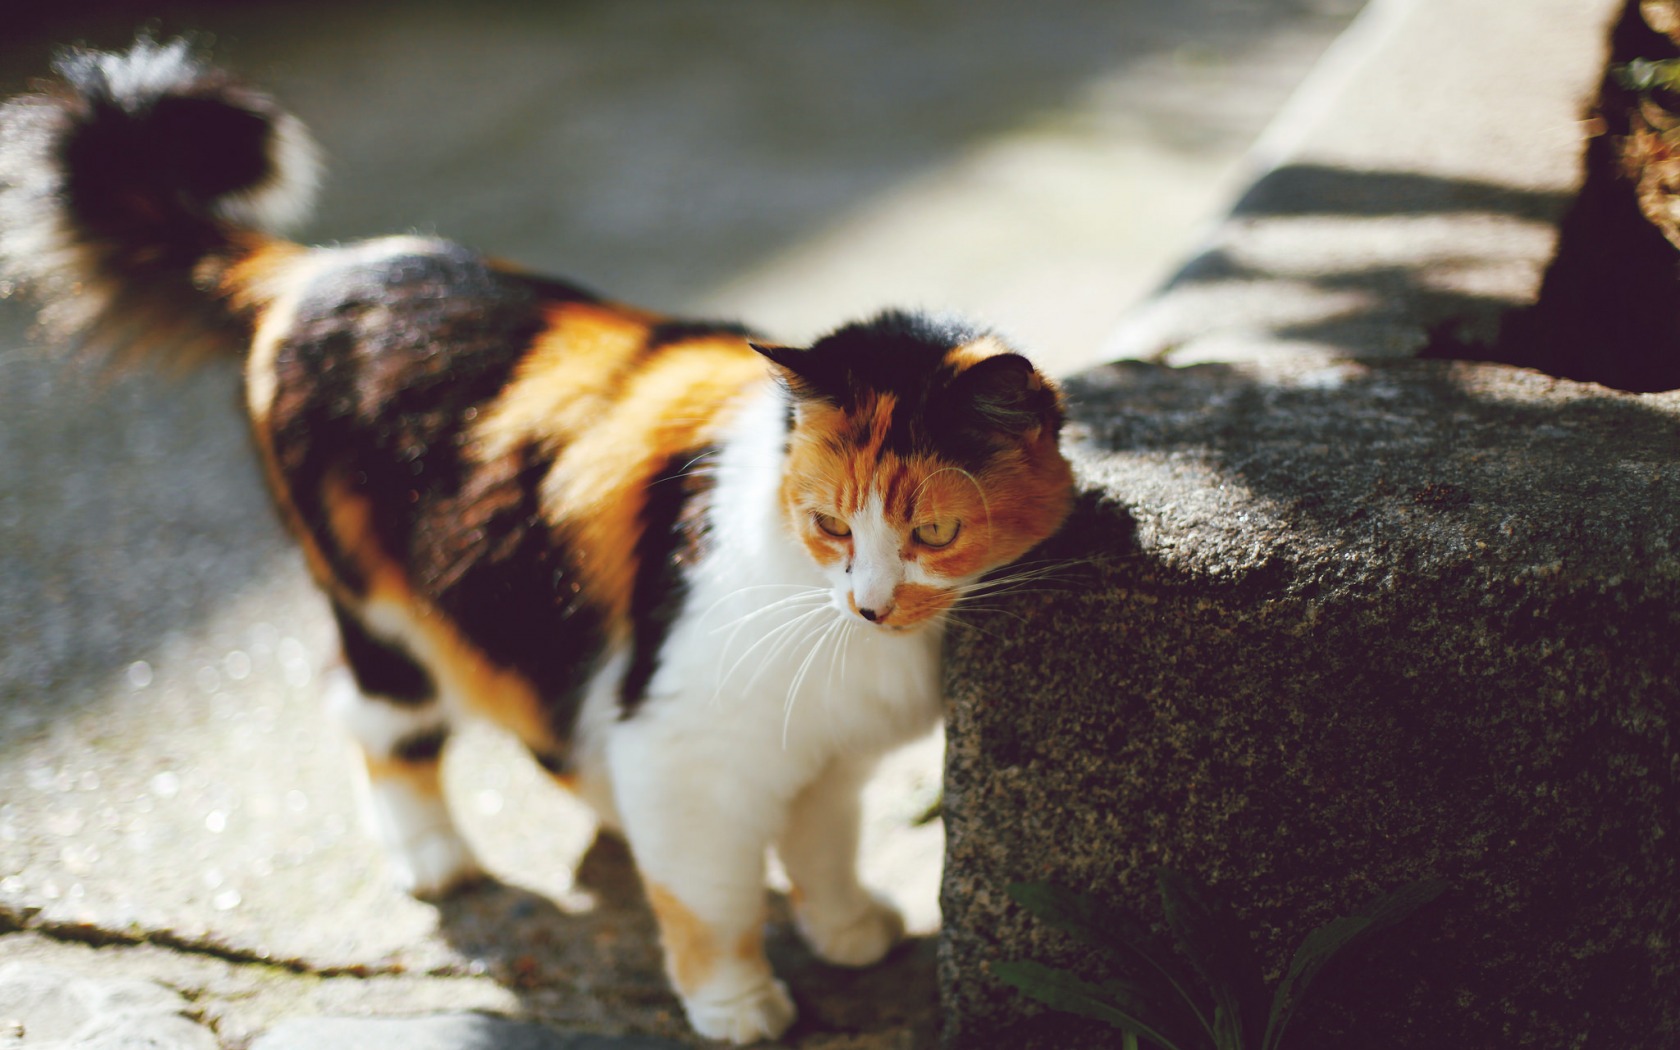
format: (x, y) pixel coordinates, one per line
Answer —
(1334, 618)
(1337, 630)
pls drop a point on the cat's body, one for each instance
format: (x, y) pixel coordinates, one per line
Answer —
(703, 579)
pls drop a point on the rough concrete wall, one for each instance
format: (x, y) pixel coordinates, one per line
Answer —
(1330, 637)
(1333, 619)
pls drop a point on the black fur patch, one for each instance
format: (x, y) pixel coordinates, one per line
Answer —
(382, 669)
(389, 363)
(550, 289)
(956, 416)
(422, 747)
(488, 560)
(555, 765)
(200, 148)
(668, 333)
(673, 516)
(158, 137)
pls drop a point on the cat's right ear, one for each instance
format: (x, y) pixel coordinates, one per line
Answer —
(790, 364)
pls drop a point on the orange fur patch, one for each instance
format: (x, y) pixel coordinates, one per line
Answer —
(916, 602)
(567, 380)
(262, 273)
(425, 777)
(691, 951)
(595, 491)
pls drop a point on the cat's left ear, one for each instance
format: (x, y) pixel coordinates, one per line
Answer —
(793, 367)
(1010, 395)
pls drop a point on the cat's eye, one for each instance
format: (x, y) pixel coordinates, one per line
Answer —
(937, 533)
(832, 525)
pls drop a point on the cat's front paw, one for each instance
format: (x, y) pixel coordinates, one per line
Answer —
(435, 864)
(856, 938)
(763, 1011)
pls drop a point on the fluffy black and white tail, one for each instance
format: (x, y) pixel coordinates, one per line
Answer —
(130, 183)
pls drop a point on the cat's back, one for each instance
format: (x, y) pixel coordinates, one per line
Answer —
(504, 460)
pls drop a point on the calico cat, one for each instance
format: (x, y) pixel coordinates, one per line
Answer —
(702, 576)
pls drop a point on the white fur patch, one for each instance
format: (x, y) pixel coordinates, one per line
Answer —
(427, 854)
(283, 200)
(877, 567)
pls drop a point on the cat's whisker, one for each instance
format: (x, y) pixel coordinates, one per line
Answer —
(804, 591)
(781, 636)
(1035, 574)
(777, 639)
(839, 643)
(1009, 592)
(993, 611)
(850, 629)
(813, 604)
(968, 625)
(798, 676)
(1011, 582)
(812, 596)
(827, 632)
(767, 638)
(995, 601)
(1049, 568)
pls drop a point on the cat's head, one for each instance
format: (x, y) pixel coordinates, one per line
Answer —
(922, 453)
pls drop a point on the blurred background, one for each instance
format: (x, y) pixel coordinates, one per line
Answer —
(1037, 166)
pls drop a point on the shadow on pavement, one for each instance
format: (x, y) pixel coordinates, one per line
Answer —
(602, 942)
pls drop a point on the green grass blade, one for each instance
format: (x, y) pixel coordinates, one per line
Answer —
(1208, 935)
(1065, 992)
(1084, 916)
(1099, 925)
(1321, 944)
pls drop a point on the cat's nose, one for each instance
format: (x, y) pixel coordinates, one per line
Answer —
(875, 615)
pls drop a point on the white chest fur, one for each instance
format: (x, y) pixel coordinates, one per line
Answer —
(765, 645)
(765, 667)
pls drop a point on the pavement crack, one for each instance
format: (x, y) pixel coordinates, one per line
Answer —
(29, 920)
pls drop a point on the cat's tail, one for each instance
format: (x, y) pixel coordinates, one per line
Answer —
(135, 188)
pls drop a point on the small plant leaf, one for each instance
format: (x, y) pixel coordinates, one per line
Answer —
(1390, 908)
(1321, 944)
(1065, 992)
(1208, 935)
(1227, 1030)
(1084, 916)
(1102, 926)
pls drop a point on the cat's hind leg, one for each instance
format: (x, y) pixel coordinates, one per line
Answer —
(842, 921)
(400, 726)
